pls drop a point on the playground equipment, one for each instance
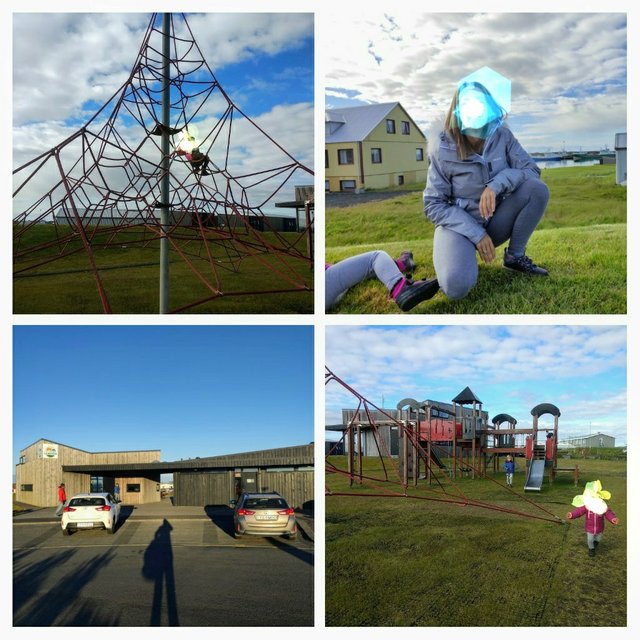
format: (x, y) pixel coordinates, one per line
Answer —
(132, 177)
(459, 434)
(411, 451)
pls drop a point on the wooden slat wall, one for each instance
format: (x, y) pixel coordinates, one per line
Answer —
(124, 457)
(296, 487)
(202, 489)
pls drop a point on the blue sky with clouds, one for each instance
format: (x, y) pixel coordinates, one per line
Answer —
(580, 369)
(67, 65)
(568, 70)
(187, 390)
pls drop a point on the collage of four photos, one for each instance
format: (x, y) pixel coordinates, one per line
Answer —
(182, 202)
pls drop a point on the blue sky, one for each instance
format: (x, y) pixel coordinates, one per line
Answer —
(568, 70)
(187, 390)
(580, 369)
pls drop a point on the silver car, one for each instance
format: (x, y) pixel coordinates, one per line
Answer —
(90, 511)
(263, 514)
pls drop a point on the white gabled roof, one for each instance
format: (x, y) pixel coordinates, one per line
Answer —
(354, 124)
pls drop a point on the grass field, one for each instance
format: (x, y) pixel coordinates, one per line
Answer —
(129, 271)
(404, 562)
(581, 240)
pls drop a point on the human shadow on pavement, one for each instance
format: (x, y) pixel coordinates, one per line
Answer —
(158, 566)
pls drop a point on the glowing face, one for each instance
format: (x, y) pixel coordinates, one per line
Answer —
(187, 142)
(478, 116)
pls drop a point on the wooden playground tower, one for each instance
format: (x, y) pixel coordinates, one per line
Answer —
(430, 432)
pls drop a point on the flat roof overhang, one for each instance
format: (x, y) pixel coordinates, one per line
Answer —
(286, 457)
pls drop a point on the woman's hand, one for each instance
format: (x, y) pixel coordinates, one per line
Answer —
(487, 203)
(486, 249)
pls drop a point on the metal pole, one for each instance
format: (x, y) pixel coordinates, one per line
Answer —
(164, 186)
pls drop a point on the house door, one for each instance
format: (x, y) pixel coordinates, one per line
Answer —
(250, 481)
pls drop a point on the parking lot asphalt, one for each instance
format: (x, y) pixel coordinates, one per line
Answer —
(159, 511)
(164, 566)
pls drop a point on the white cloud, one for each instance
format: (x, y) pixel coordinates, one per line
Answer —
(568, 71)
(511, 368)
(50, 101)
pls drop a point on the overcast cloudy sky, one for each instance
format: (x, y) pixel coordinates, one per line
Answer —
(66, 65)
(568, 71)
(580, 369)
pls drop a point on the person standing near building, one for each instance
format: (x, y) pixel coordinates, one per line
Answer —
(116, 492)
(509, 469)
(62, 498)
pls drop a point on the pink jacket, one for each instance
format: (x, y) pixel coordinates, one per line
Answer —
(593, 522)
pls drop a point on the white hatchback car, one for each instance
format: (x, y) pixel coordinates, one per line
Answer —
(90, 511)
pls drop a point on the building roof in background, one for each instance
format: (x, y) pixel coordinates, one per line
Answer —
(354, 124)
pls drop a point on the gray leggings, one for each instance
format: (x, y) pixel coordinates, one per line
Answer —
(592, 538)
(515, 219)
(343, 275)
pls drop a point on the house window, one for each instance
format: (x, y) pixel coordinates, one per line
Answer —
(419, 154)
(26, 487)
(405, 128)
(391, 126)
(326, 158)
(345, 156)
(376, 156)
(326, 185)
(400, 180)
(133, 488)
(22, 460)
(347, 185)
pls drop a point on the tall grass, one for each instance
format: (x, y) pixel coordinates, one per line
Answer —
(404, 562)
(581, 240)
(130, 274)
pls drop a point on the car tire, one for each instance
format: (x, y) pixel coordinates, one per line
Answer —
(66, 532)
(237, 535)
(293, 536)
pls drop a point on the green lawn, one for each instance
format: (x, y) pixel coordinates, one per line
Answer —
(129, 271)
(581, 240)
(405, 562)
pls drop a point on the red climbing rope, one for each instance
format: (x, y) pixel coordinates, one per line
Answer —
(100, 188)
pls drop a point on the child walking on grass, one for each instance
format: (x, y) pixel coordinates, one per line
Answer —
(592, 505)
(509, 469)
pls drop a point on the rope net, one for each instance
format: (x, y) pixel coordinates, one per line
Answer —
(390, 481)
(101, 187)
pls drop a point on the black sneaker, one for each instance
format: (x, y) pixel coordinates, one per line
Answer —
(523, 264)
(413, 293)
(592, 552)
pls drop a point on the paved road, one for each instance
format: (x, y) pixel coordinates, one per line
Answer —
(154, 572)
(350, 199)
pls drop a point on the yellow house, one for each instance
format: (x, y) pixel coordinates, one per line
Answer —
(373, 147)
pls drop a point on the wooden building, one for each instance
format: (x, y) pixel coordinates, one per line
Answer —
(45, 464)
(197, 481)
(216, 480)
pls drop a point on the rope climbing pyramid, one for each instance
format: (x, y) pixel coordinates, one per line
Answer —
(90, 210)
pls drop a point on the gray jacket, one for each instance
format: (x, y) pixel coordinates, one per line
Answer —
(454, 186)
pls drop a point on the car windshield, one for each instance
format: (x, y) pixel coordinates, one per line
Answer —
(265, 503)
(86, 502)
